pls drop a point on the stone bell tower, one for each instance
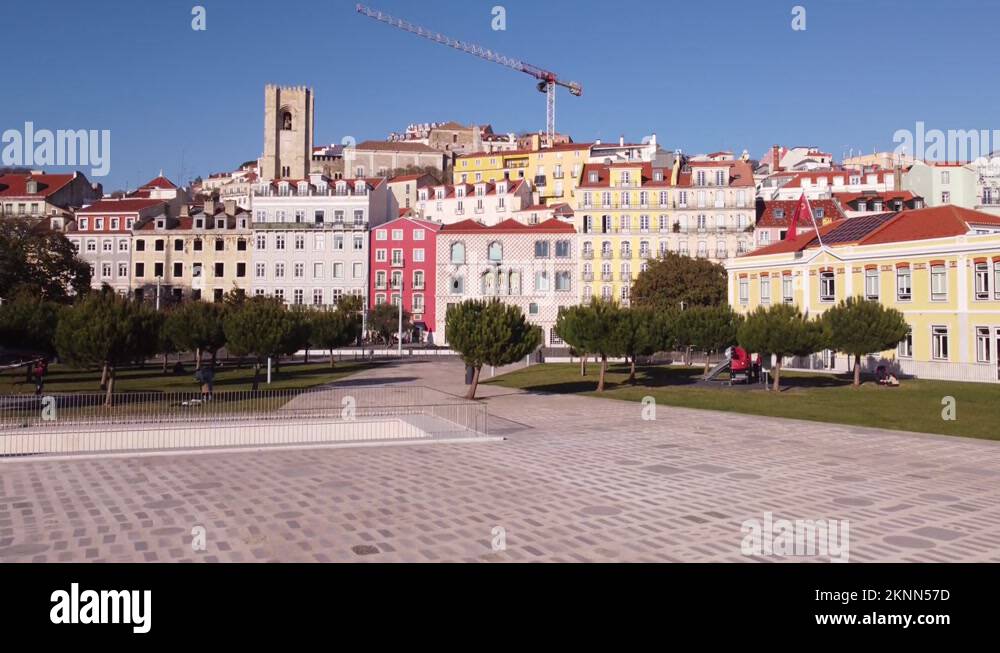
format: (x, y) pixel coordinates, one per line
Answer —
(288, 132)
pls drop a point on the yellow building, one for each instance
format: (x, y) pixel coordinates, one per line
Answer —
(202, 254)
(554, 172)
(627, 213)
(939, 266)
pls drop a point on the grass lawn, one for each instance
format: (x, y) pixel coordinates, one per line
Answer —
(61, 378)
(914, 406)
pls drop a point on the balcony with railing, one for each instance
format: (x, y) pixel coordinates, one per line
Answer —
(588, 254)
(607, 254)
(588, 276)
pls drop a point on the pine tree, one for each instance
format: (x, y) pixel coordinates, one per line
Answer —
(489, 333)
(108, 330)
(858, 327)
(782, 330)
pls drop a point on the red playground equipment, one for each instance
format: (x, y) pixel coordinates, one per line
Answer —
(737, 362)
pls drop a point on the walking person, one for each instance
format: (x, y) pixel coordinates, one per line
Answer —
(207, 381)
(41, 368)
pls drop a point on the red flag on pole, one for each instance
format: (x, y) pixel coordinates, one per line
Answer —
(802, 209)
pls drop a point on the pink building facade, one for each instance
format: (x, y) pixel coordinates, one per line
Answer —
(402, 264)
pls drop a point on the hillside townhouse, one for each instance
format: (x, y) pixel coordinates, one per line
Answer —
(164, 190)
(403, 265)
(553, 172)
(40, 195)
(384, 158)
(203, 253)
(797, 158)
(311, 237)
(943, 183)
(404, 188)
(988, 184)
(774, 218)
(939, 266)
(533, 267)
(869, 202)
(482, 201)
(102, 234)
(821, 184)
(627, 213)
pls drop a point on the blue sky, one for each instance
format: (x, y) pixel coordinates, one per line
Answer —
(719, 74)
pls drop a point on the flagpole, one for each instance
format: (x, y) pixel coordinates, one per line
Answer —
(815, 226)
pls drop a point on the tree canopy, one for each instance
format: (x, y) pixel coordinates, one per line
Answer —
(103, 328)
(709, 329)
(28, 323)
(331, 329)
(383, 321)
(197, 326)
(782, 330)
(489, 333)
(40, 260)
(262, 327)
(674, 281)
(858, 327)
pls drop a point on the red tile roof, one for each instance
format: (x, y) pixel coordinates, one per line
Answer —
(901, 226)
(510, 225)
(740, 174)
(16, 184)
(767, 219)
(159, 182)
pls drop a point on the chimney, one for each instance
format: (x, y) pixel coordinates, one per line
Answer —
(210, 207)
(230, 207)
(185, 211)
(897, 177)
(775, 158)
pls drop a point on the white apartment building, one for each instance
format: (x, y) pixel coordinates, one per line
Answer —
(821, 184)
(311, 237)
(485, 202)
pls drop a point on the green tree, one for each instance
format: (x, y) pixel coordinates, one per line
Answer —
(489, 333)
(676, 281)
(709, 329)
(41, 260)
(300, 335)
(197, 326)
(782, 330)
(569, 328)
(28, 322)
(105, 329)
(598, 330)
(637, 333)
(262, 328)
(858, 327)
(332, 329)
(383, 320)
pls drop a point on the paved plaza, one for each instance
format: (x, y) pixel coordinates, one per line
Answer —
(576, 479)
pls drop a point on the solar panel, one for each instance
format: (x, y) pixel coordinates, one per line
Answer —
(852, 230)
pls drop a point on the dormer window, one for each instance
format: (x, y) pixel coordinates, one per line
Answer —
(779, 214)
(220, 223)
(593, 177)
(161, 224)
(199, 223)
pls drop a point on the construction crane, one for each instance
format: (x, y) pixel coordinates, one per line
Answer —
(547, 80)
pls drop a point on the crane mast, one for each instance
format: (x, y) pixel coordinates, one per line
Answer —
(547, 80)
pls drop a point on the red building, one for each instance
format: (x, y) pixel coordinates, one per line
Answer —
(402, 260)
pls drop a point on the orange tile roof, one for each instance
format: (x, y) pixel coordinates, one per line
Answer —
(880, 229)
(16, 184)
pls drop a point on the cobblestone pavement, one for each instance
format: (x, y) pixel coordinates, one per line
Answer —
(578, 479)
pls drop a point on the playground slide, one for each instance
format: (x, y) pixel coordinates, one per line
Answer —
(717, 370)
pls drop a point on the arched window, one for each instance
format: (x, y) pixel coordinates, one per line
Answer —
(286, 120)
(495, 251)
(458, 253)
